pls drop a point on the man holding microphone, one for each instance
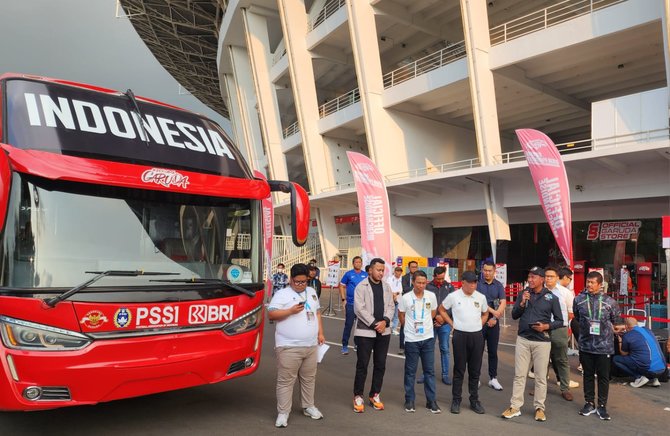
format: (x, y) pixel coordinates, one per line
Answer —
(534, 311)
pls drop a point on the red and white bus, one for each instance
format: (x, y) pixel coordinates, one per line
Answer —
(131, 256)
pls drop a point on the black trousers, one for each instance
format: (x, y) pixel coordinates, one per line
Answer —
(593, 364)
(491, 338)
(468, 350)
(364, 348)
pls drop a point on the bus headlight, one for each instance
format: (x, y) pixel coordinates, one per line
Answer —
(24, 335)
(244, 323)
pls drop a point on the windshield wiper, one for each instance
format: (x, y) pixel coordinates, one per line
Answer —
(209, 281)
(51, 302)
(131, 96)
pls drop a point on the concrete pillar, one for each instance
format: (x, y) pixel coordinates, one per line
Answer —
(294, 25)
(242, 134)
(482, 89)
(258, 44)
(666, 51)
(384, 136)
(325, 220)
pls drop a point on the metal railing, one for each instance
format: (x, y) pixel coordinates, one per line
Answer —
(425, 64)
(340, 102)
(283, 250)
(291, 130)
(328, 9)
(542, 19)
(592, 144)
(434, 169)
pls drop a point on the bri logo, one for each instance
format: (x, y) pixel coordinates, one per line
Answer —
(165, 177)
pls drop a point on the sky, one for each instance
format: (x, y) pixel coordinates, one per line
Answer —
(83, 41)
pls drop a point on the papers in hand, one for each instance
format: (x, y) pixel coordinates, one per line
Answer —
(321, 351)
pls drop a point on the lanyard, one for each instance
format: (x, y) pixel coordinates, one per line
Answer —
(600, 308)
(303, 301)
(423, 309)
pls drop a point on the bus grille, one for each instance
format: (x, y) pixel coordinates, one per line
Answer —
(54, 393)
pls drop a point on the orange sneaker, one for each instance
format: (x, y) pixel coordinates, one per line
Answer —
(359, 406)
(376, 402)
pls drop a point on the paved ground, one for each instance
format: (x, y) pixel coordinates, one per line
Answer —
(247, 406)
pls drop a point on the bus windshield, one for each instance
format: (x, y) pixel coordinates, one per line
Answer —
(57, 231)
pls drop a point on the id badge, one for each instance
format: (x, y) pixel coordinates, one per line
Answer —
(418, 328)
(594, 328)
(310, 315)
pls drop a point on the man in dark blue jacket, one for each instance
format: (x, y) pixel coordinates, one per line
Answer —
(640, 355)
(534, 309)
(596, 313)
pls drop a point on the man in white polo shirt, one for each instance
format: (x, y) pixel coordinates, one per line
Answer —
(295, 309)
(469, 312)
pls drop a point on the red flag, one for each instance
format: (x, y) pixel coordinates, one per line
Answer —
(551, 183)
(268, 230)
(373, 208)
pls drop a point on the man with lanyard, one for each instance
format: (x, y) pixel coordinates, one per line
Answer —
(494, 291)
(349, 281)
(596, 313)
(407, 284)
(299, 330)
(559, 336)
(534, 310)
(469, 313)
(373, 306)
(441, 289)
(416, 311)
(395, 282)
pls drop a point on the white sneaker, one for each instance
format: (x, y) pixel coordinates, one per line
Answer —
(638, 383)
(531, 374)
(312, 412)
(573, 384)
(282, 420)
(495, 384)
(655, 383)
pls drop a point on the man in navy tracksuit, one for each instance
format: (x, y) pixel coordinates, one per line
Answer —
(596, 313)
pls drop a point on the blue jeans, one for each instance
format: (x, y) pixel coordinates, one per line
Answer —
(442, 334)
(348, 323)
(424, 350)
(394, 322)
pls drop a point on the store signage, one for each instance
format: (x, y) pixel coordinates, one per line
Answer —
(613, 230)
(666, 231)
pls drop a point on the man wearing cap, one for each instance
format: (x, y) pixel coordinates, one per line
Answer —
(534, 310)
(469, 312)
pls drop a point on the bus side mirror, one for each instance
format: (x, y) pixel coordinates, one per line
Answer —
(299, 209)
(5, 182)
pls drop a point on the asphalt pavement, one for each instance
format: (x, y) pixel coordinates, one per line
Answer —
(247, 405)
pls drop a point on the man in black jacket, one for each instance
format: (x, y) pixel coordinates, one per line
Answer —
(596, 313)
(534, 310)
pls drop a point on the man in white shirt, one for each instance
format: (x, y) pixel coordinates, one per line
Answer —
(395, 282)
(559, 337)
(469, 312)
(417, 310)
(299, 331)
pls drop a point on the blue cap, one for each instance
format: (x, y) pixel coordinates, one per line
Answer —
(469, 276)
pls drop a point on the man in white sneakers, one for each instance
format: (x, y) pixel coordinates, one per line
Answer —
(299, 331)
